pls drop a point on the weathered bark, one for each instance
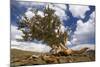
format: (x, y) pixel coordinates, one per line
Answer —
(58, 48)
(71, 52)
(79, 51)
(61, 49)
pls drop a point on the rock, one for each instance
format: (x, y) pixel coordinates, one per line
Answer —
(47, 58)
(50, 59)
(33, 57)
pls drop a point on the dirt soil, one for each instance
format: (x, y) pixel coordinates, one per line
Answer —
(25, 58)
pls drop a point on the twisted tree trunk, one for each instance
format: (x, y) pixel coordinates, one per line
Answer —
(61, 49)
(58, 48)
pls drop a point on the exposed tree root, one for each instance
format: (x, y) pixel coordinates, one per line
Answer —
(71, 52)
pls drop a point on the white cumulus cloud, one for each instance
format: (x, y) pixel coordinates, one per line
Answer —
(29, 14)
(15, 34)
(80, 46)
(28, 46)
(85, 31)
(68, 43)
(61, 6)
(40, 13)
(78, 10)
(59, 10)
(62, 28)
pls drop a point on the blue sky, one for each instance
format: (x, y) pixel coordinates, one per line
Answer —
(80, 19)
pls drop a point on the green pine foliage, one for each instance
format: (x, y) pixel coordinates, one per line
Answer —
(43, 28)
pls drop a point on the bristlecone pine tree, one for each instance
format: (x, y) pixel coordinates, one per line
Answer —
(43, 28)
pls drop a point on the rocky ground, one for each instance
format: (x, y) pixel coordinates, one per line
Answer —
(25, 58)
